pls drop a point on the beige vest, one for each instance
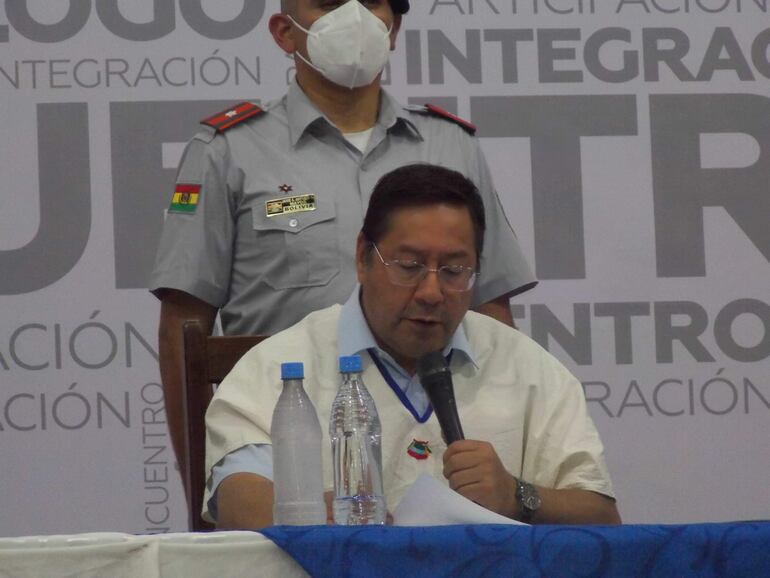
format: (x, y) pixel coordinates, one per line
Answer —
(520, 399)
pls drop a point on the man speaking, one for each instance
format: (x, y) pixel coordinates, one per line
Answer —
(532, 452)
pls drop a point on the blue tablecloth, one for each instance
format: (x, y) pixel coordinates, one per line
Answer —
(734, 550)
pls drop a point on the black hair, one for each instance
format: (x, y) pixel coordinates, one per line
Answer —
(419, 185)
(400, 6)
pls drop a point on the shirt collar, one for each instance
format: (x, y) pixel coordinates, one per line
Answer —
(355, 337)
(392, 114)
(301, 113)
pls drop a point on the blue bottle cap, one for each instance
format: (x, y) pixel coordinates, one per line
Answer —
(292, 370)
(350, 364)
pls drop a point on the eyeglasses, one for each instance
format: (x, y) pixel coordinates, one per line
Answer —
(411, 273)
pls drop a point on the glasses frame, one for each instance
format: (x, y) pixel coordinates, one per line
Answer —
(424, 273)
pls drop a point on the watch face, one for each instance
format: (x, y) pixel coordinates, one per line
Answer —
(529, 497)
(531, 501)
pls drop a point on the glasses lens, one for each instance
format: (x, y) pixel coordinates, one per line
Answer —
(457, 277)
(411, 273)
(406, 273)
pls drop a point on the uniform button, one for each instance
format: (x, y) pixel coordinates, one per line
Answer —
(293, 222)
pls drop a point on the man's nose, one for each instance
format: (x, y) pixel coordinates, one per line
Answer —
(429, 289)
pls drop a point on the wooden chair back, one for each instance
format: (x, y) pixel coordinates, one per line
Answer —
(207, 360)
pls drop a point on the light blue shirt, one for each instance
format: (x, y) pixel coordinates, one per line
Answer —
(354, 337)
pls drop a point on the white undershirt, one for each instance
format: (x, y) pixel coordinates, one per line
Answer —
(360, 140)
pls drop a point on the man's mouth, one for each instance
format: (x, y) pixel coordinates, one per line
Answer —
(427, 321)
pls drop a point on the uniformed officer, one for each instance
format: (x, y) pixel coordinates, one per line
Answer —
(263, 222)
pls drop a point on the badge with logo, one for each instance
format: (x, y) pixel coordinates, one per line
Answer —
(419, 450)
(289, 205)
(185, 199)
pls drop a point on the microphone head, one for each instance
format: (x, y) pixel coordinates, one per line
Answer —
(431, 366)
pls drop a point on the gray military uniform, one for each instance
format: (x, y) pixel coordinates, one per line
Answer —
(264, 272)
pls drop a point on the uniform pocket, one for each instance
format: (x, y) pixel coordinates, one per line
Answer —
(301, 248)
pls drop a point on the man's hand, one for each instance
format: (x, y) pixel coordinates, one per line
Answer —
(475, 471)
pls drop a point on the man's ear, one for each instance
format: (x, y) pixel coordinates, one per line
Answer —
(361, 247)
(283, 32)
(394, 30)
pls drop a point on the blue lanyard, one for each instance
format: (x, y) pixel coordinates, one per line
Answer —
(397, 390)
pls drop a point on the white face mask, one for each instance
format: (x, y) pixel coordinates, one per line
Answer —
(349, 45)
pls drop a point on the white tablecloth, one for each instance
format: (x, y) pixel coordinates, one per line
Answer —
(113, 555)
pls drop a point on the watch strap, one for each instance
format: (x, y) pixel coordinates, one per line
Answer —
(528, 499)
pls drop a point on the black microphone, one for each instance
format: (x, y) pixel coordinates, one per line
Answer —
(436, 380)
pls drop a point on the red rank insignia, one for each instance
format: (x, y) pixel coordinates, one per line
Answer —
(469, 127)
(419, 450)
(232, 116)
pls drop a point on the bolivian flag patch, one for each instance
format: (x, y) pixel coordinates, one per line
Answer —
(185, 199)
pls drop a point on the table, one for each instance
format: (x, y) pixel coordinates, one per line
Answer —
(725, 549)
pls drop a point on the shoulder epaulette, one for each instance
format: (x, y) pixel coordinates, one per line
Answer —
(434, 110)
(228, 118)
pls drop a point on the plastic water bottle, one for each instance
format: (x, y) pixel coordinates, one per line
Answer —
(296, 433)
(355, 433)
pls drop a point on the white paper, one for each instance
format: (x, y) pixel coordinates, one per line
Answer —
(428, 502)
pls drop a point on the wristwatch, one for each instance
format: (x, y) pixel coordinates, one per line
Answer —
(528, 498)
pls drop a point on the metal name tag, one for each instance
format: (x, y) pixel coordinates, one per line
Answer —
(289, 205)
